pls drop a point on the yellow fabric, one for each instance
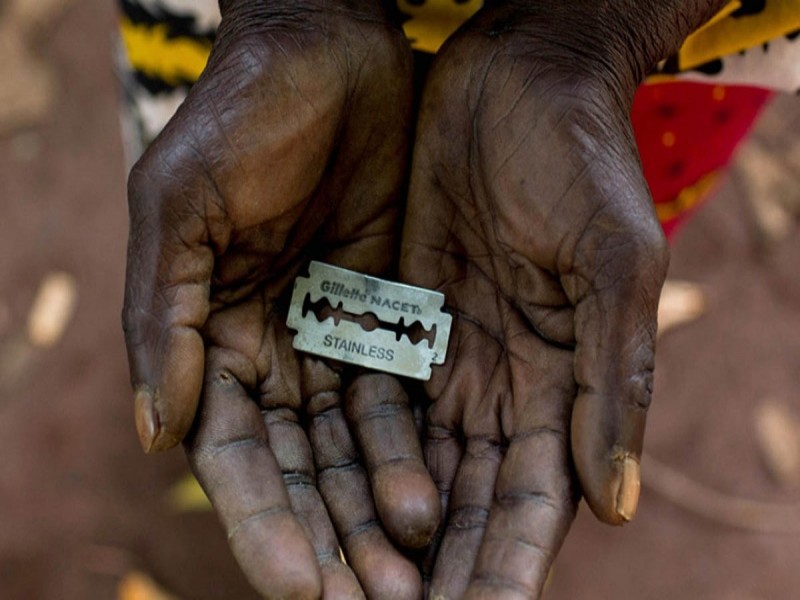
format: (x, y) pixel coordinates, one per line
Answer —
(727, 35)
(176, 60)
(153, 53)
(688, 198)
(432, 22)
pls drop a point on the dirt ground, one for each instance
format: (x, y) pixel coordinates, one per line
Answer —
(81, 506)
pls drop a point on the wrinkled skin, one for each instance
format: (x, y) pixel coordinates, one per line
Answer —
(291, 146)
(529, 211)
(527, 208)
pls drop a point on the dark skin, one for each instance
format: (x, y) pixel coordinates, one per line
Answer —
(526, 207)
(289, 148)
(528, 210)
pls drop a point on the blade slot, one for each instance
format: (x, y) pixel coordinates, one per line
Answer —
(323, 309)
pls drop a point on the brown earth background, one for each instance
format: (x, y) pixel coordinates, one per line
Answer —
(81, 506)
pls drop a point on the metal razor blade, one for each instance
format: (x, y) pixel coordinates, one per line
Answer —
(366, 321)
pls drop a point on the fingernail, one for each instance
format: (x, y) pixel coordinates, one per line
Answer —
(147, 423)
(628, 494)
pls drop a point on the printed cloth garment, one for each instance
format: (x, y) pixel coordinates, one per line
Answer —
(688, 117)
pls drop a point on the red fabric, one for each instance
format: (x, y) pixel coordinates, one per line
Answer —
(687, 130)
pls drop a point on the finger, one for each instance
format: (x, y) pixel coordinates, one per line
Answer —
(534, 507)
(443, 444)
(467, 515)
(464, 476)
(405, 496)
(617, 279)
(229, 453)
(293, 454)
(381, 569)
(166, 297)
(443, 453)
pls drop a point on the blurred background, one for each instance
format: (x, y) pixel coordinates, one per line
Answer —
(84, 514)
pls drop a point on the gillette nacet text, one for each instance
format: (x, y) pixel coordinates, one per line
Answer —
(334, 288)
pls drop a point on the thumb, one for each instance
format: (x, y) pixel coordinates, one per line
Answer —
(619, 268)
(166, 297)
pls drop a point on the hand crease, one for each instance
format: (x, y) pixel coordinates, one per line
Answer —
(298, 479)
(467, 517)
(381, 411)
(359, 529)
(498, 581)
(245, 443)
(398, 458)
(511, 499)
(338, 467)
(536, 432)
(255, 517)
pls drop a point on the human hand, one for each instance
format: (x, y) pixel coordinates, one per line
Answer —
(529, 211)
(291, 146)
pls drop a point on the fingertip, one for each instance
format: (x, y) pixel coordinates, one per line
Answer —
(338, 582)
(153, 435)
(406, 498)
(147, 421)
(629, 488)
(403, 582)
(166, 405)
(383, 571)
(281, 564)
(165, 441)
(610, 482)
(607, 437)
(408, 505)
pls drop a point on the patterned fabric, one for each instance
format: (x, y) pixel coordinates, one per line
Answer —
(430, 22)
(772, 65)
(741, 25)
(686, 134)
(688, 118)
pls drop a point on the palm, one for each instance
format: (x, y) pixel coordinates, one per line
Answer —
(290, 147)
(528, 211)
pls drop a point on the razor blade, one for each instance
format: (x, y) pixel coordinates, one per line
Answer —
(366, 321)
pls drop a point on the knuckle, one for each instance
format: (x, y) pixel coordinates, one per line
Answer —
(374, 394)
(168, 176)
(324, 404)
(242, 524)
(296, 479)
(228, 367)
(640, 395)
(144, 180)
(635, 259)
(335, 467)
(500, 585)
(541, 500)
(377, 411)
(653, 246)
(359, 528)
(557, 432)
(644, 248)
(204, 451)
(468, 517)
(139, 326)
(129, 321)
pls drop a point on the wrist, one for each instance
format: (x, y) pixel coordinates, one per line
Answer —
(268, 11)
(657, 30)
(618, 42)
(321, 20)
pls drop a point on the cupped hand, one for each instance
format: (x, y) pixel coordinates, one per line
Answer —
(292, 146)
(529, 211)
